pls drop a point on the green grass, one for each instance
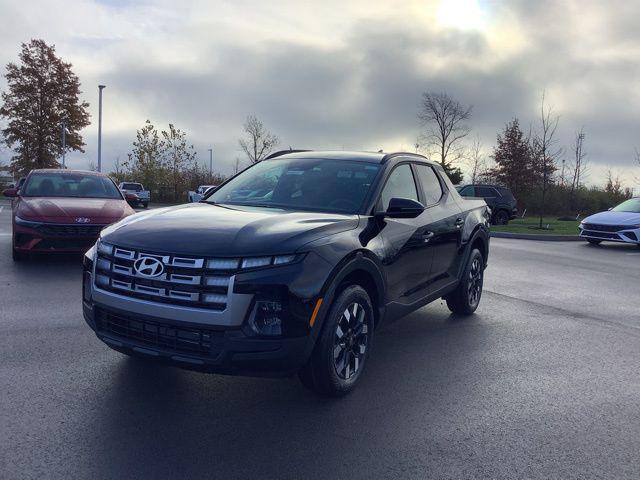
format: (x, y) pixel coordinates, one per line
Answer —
(555, 226)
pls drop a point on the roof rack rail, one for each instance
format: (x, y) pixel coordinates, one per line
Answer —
(284, 152)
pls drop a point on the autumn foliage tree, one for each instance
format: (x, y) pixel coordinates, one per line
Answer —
(515, 164)
(42, 92)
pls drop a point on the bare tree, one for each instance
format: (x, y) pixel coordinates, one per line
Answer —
(236, 166)
(259, 142)
(444, 120)
(579, 166)
(545, 150)
(637, 159)
(477, 161)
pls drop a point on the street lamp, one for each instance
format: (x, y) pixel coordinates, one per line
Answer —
(100, 88)
(63, 126)
(211, 162)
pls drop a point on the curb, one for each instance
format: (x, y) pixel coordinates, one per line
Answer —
(533, 236)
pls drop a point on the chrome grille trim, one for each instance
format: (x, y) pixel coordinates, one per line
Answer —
(184, 281)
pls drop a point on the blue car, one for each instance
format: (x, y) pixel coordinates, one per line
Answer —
(618, 224)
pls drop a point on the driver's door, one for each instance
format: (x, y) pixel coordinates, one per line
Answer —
(406, 240)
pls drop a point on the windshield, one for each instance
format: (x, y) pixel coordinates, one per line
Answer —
(632, 205)
(70, 185)
(300, 184)
(136, 187)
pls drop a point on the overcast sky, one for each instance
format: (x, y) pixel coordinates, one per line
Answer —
(343, 74)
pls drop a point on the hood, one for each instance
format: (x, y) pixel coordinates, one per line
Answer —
(614, 218)
(67, 209)
(211, 230)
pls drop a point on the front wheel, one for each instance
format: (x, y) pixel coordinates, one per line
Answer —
(145, 204)
(342, 349)
(18, 256)
(593, 241)
(466, 297)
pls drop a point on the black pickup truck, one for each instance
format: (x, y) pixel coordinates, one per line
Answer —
(288, 267)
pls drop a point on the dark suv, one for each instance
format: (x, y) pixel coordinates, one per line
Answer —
(500, 199)
(288, 267)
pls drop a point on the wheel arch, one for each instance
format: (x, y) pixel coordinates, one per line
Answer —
(357, 269)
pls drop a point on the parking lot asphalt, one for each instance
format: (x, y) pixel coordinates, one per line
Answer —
(543, 382)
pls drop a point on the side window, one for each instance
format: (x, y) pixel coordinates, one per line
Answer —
(486, 192)
(468, 191)
(430, 184)
(400, 184)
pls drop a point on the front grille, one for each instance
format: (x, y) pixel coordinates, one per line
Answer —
(158, 334)
(53, 230)
(184, 280)
(604, 228)
(601, 235)
(65, 243)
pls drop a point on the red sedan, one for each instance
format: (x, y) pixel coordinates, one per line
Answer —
(63, 211)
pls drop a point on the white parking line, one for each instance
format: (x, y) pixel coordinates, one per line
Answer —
(1, 209)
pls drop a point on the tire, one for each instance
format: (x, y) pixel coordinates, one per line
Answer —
(466, 297)
(145, 204)
(593, 241)
(342, 349)
(501, 217)
(18, 256)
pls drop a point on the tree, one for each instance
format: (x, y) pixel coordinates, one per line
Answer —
(145, 162)
(259, 142)
(445, 122)
(579, 166)
(514, 161)
(477, 161)
(178, 157)
(545, 151)
(42, 91)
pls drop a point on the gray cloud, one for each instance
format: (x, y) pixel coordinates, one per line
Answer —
(361, 88)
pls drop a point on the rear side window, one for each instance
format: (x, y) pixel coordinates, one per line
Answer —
(468, 192)
(430, 184)
(505, 192)
(400, 184)
(486, 192)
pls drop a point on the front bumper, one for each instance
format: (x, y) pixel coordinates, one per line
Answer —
(215, 340)
(196, 347)
(37, 240)
(622, 234)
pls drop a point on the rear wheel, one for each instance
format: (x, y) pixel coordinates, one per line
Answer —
(466, 297)
(593, 241)
(145, 204)
(342, 349)
(501, 217)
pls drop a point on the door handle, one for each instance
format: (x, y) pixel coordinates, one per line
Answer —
(459, 222)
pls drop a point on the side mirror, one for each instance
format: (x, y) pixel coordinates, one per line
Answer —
(403, 208)
(10, 192)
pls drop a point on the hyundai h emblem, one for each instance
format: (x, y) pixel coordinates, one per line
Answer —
(148, 267)
(82, 220)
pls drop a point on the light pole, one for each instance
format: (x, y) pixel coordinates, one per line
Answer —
(64, 141)
(100, 88)
(211, 162)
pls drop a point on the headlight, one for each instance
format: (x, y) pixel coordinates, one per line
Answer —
(252, 262)
(25, 223)
(105, 248)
